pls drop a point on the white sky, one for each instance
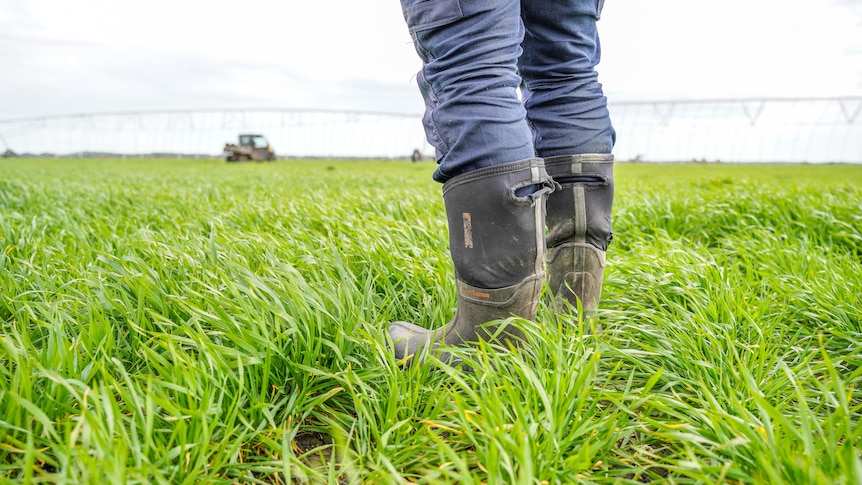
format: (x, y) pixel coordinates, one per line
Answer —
(80, 56)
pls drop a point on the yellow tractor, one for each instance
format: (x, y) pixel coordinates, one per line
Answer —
(250, 147)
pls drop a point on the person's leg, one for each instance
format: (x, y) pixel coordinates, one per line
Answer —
(566, 106)
(572, 131)
(469, 81)
(495, 189)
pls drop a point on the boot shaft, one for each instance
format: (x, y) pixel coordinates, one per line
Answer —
(496, 221)
(580, 210)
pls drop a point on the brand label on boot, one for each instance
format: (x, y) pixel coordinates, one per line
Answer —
(478, 294)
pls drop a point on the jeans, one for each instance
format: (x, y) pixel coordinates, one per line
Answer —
(478, 54)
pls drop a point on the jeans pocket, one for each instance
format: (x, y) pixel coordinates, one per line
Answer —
(428, 14)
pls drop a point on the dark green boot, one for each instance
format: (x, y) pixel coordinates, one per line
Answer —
(579, 228)
(496, 221)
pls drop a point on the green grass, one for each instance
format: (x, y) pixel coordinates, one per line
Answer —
(168, 321)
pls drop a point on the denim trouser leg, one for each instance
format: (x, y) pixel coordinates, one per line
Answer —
(470, 81)
(565, 103)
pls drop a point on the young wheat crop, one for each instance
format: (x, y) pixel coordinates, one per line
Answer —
(171, 321)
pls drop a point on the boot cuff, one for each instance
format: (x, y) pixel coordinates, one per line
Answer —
(581, 158)
(536, 167)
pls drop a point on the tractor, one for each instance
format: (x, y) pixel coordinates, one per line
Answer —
(250, 147)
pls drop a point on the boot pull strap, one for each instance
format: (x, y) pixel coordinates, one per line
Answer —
(532, 191)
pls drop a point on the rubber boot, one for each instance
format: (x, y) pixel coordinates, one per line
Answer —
(579, 229)
(496, 219)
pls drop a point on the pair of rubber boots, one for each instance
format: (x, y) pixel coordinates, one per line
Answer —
(497, 220)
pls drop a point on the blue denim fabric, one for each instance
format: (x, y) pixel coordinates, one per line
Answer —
(476, 55)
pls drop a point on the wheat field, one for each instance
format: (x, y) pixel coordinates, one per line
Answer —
(192, 321)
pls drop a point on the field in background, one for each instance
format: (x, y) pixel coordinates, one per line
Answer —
(798, 130)
(186, 321)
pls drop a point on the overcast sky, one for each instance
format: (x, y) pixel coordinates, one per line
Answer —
(82, 56)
